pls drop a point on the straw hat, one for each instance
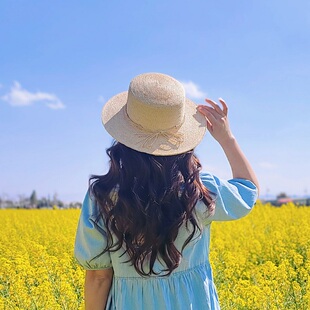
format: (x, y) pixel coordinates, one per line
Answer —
(154, 116)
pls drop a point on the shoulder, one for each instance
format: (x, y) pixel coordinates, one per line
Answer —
(90, 207)
(234, 198)
(216, 185)
(210, 181)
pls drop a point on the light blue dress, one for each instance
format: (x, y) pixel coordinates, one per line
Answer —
(190, 286)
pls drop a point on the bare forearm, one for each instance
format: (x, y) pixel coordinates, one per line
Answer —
(96, 291)
(218, 126)
(239, 164)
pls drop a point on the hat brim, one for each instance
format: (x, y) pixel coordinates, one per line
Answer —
(120, 127)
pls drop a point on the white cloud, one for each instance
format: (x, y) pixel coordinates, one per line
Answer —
(192, 90)
(56, 105)
(19, 96)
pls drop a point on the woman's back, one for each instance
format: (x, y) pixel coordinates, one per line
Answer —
(147, 221)
(190, 285)
(144, 200)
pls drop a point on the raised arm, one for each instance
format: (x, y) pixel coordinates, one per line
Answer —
(218, 126)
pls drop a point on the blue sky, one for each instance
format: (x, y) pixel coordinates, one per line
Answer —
(60, 61)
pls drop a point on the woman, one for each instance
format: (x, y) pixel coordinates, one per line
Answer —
(144, 231)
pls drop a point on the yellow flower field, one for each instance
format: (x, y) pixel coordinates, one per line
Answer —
(259, 262)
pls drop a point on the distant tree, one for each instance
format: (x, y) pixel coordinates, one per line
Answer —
(282, 195)
(42, 203)
(49, 203)
(33, 199)
(55, 199)
(9, 203)
(75, 205)
(23, 202)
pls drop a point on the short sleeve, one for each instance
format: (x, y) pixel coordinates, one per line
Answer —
(91, 238)
(234, 198)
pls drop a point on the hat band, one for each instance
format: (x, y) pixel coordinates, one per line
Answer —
(149, 137)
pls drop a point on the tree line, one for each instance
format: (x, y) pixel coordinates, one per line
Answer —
(33, 202)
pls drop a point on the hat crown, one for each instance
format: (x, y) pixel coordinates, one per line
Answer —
(154, 116)
(156, 101)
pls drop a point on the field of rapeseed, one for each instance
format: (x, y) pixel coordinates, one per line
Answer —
(259, 262)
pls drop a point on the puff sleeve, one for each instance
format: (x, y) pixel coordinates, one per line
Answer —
(234, 198)
(91, 238)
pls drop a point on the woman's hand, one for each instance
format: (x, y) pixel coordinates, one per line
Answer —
(217, 124)
(217, 120)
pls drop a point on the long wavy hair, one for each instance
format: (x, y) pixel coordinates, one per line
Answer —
(144, 200)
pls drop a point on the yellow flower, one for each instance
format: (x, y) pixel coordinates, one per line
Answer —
(259, 262)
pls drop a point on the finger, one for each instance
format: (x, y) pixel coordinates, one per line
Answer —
(209, 126)
(205, 110)
(210, 114)
(210, 120)
(215, 106)
(225, 107)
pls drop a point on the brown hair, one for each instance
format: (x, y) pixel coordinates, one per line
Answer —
(144, 199)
